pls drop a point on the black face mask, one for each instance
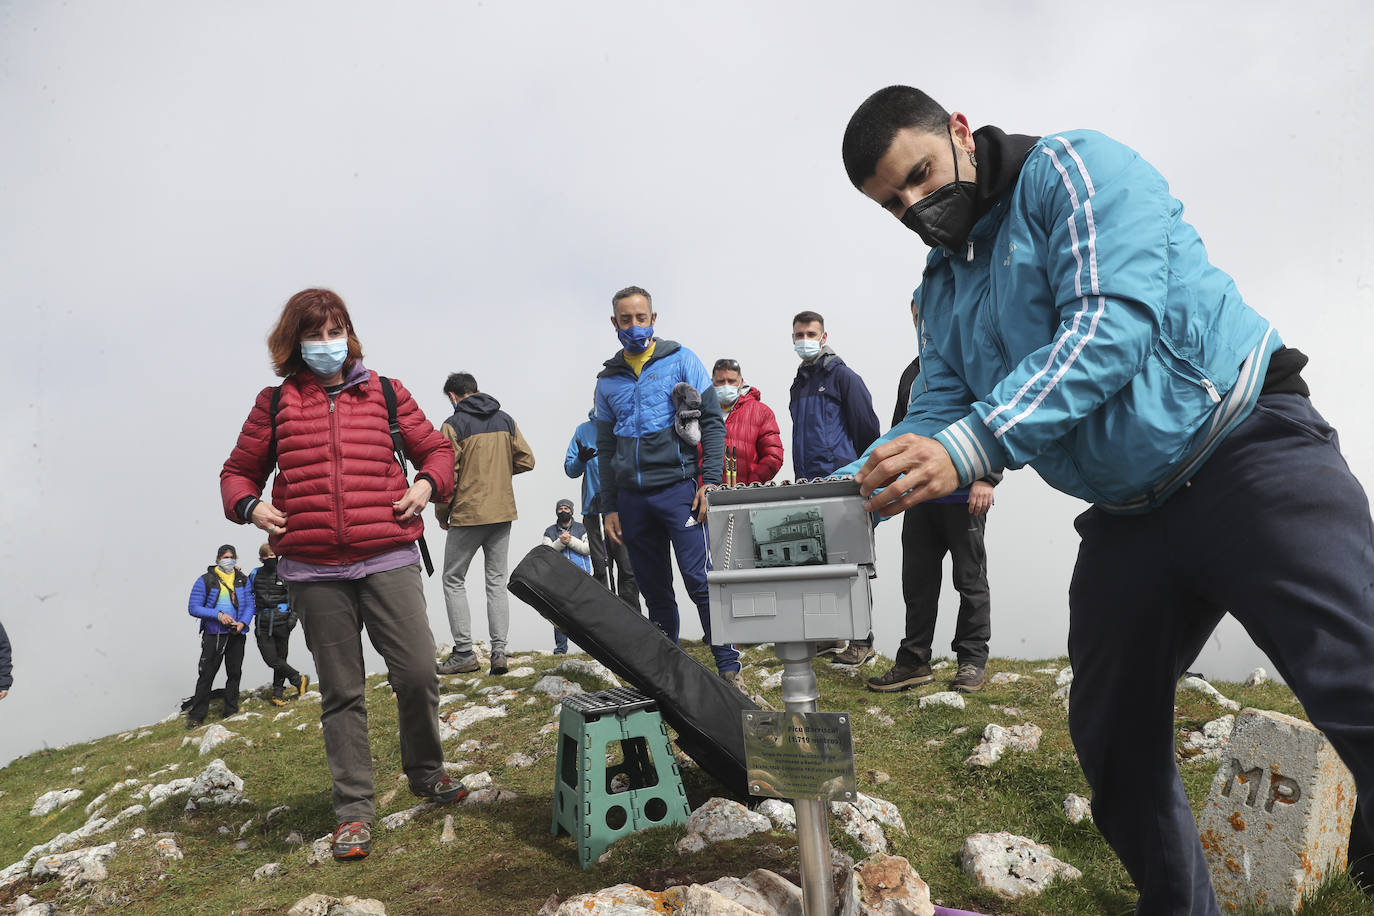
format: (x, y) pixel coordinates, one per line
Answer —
(945, 216)
(564, 517)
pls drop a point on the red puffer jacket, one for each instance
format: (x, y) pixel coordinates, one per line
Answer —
(752, 439)
(337, 474)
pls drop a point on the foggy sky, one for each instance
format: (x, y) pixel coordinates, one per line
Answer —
(476, 179)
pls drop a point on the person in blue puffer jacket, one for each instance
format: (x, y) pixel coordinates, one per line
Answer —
(610, 561)
(1071, 320)
(222, 600)
(647, 432)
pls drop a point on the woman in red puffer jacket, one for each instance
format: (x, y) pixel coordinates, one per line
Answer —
(753, 446)
(344, 523)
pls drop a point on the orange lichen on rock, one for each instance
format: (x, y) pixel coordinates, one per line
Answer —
(1237, 822)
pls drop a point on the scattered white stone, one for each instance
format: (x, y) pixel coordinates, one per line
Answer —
(244, 717)
(1208, 744)
(294, 838)
(548, 729)
(489, 796)
(169, 768)
(1004, 677)
(136, 834)
(863, 820)
(1257, 677)
(761, 891)
(557, 687)
(216, 785)
(1013, 711)
(453, 723)
(1012, 866)
(943, 698)
(128, 813)
(772, 681)
(325, 905)
(782, 814)
(322, 850)
(1201, 686)
(167, 848)
(940, 666)
(281, 715)
(1077, 808)
(401, 818)
(477, 781)
(1046, 670)
(76, 770)
(881, 777)
(884, 885)
(996, 740)
(448, 698)
(471, 745)
(49, 802)
(97, 802)
(311, 695)
(270, 870)
(590, 668)
(214, 736)
(519, 760)
(245, 826)
(1064, 677)
(523, 671)
(692, 842)
(620, 900)
(721, 819)
(159, 794)
(75, 868)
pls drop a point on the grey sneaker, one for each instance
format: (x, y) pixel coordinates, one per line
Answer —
(969, 679)
(498, 663)
(459, 663)
(735, 680)
(901, 677)
(854, 655)
(444, 790)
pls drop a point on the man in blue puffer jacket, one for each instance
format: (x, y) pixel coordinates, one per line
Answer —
(649, 467)
(1072, 321)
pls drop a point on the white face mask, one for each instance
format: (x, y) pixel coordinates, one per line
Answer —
(727, 394)
(227, 563)
(807, 349)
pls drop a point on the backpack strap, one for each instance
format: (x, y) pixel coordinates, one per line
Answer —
(398, 446)
(272, 413)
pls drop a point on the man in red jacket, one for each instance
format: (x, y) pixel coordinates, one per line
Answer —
(753, 445)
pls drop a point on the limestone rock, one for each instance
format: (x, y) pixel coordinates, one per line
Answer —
(447, 835)
(1012, 866)
(557, 687)
(996, 741)
(699, 900)
(49, 802)
(270, 870)
(401, 818)
(453, 723)
(217, 786)
(1209, 743)
(590, 668)
(761, 891)
(325, 905)
(477, 781)
(1064, 678)
(1004, 677)
(322, 850)
(1257, 677)
(167, 848)
(692, 842)
(1076, 808)
(621, 900)
(523, 671)
(1277, 819)
(1201, 686)
(159, 794)
(214, 736)
(489, 796)
(884, 885)
(943, 698)
(863, 820)
(76, 868)
(722, 819)
(780, 813)
(772, 681)
(519, 760)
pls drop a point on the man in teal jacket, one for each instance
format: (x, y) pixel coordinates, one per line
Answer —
(1072, 322)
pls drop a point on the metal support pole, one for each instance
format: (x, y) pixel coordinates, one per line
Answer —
(799, 694)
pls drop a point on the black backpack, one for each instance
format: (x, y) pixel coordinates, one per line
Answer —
(398, 446)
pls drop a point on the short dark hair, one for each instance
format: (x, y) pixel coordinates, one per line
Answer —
(629, 291)
(807, 317)
(877, 121)
(728, 364)
(461, 384)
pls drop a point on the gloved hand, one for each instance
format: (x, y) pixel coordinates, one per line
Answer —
(585, 453)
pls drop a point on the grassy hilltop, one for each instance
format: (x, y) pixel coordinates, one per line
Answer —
(506, 862)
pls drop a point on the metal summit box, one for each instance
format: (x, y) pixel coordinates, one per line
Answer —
(790, 562)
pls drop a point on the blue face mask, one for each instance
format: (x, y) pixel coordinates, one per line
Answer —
(807, 349)
(635, 339)
(227, 563)
(727, 394)
(324, 357)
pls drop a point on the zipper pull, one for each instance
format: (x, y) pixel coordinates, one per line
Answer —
(1211, 390)
(969, 256)
(331, 404)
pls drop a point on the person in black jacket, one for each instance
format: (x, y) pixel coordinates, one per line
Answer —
(6, 668)
(273, 625)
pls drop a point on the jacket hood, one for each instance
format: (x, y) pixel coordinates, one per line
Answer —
(480, 404)
(750, 393)
(1000, 158)
(355, 376)
(826, 360)
(591, 414)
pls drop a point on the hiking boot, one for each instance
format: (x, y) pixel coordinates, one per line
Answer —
(353, 840)
(443, 790)
(278, 701)
(832, 646)
(855, 654)
(194, 723)
(302, 683)
(459, 663)
(735, 680)
(969, 679)
(901, 677)
(498, 663)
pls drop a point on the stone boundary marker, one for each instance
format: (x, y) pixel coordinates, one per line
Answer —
(1277, 819)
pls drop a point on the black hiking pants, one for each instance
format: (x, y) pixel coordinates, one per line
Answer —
(216, 648)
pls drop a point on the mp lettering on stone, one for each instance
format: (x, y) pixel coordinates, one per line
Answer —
(1277, 819)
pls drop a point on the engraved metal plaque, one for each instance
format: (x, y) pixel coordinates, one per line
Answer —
(799, 755)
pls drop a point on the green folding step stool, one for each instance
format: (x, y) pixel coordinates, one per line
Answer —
(598, 800)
